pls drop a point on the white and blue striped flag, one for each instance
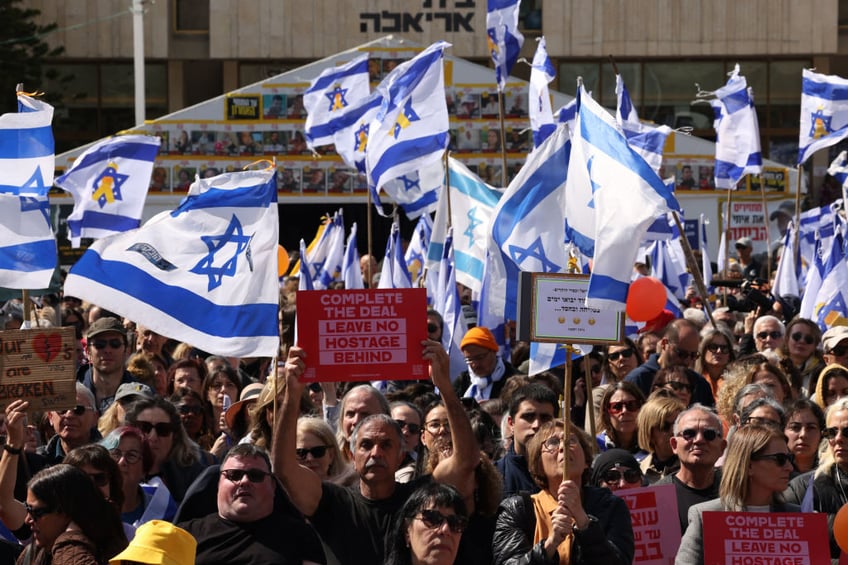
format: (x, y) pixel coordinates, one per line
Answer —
(813, 282)
(737, 132)
(786, 277)
(417, 192)
(329, 96)
(410, 132)
(625, 195)
(205, 273)
(109, 184)
(394, 273)
(647, 140)
(351, 130)
(838, 169)
(832, 296)
(706, 265)
(306, 272)
(331, 264)
(351, 273)
(27, 246)
(446, 302)
(503, 38)
(824, 113)
(542, 72)
(567, 114)
(416, 252)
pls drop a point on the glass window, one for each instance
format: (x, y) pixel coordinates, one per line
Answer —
(670, 88)
(632, 75)
(785, 93)
(250, 73)
(568, 73)
(192, 15)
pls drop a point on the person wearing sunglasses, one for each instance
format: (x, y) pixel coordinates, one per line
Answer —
(114, 416)
(761, 333)
(832, 385)
(619, 413)
(616, 469)
(317, 450)
(715, 354)
(195, 415)
(254, 523)
(656, 426)
(106, 346)
(755, 474)
(801, 350)
(409, 418)
(487, 372)
(429, 527)
(835, 345)
(73, 427)
(697, 441)
(675, 380)
(176, 459)
(568, 520)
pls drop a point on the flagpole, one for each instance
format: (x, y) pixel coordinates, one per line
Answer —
(727, 241)
(503, 137)
(766, 224)
(697, 275)
(370, 240)
(566, 408)
(447, 187)
(796, 244)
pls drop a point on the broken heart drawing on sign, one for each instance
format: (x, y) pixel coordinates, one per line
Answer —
(47, 346)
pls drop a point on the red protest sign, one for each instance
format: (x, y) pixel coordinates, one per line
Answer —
(363, 335)
(759, 538)
(656, 526)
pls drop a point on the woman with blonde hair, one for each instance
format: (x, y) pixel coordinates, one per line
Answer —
(656, 426)
(317, 449)
(755, 473)
(715, 354)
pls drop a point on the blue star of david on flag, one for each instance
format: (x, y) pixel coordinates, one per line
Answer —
(595, 186)
(533, 251)
(29, 203)
(820, 124)
(106, 187)
(215, 243)
(337, 98)
(406, 117)
(473, 222)
(361, 138)
(35, 183)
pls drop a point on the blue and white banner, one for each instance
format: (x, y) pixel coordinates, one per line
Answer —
(351, 273)
(503, 38)
(205, 273)
(737, 132)
(109, 183)
(824, 113)
(542, 73)
(410, 132)
(647, 140)
(329, 95)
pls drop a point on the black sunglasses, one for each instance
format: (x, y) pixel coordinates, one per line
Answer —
(708, 434)
(615, 475)
(626, 353)
(435, 519)
(410, 427)
(77, 410)
(677, 386)
(806, 338)
(718, 347)
(780, 458)
(253, 475)
(163, 429)
(316, 452)
(832, 432)
(114, 343)
(37, 512)
(772, 334)
(187, 409)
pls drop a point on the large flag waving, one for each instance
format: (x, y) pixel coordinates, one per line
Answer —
(647, 140)
(541, 113)
(504, 39)
(737, 132)
(824, 113)
(109, 184)
(27, 246)
(205, 273)
(330, 95)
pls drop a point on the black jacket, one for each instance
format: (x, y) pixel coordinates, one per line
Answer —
(608, 540)
(828, 497)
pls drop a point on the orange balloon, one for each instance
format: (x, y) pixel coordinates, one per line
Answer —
(646, 298)
(840, 528)
(282, 261)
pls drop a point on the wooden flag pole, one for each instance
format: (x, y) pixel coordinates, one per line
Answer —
(766, 225)
(501, 112)
(694, 268)
(566, 408)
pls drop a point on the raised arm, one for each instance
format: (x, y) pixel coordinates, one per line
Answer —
(458, 469)
(302, 484)
(12, 511)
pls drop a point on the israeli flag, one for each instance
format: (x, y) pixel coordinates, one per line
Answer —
(542, 73)
(813, 283)
(353, 126)
(567, 114)
(205, 273)
(331, 263)
(786, 278)
(394, 273)
(737, 132)
(351, 274)
(625, 195)
(417, 192)
(824, 113)
(706, 266)
(416, 252)
(503, 38)
(647, 140)
(831, 297)
(329, 95)
(27, 246)
(410, 132)
(446, 302)
(839, 170)
(306, 272)
(109, 183)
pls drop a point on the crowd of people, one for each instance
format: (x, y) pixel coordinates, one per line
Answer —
(171, 451)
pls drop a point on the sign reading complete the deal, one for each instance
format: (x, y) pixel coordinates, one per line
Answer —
(363, 335)
(39, 366)
(758, 538)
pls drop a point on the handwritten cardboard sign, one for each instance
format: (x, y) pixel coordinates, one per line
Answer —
(363, 335)
(656, 526)
(38, 365)
(759, 538)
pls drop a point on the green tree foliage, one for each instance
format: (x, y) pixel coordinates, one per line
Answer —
(22, 52)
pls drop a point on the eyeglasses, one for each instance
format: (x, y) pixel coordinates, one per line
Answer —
(77, 410)
(37, 512)
(807, 338)
(554, 443)
(718, 348)
(683, 354)
(617, 408)
(186, 409)
(761, 421)
(677, 386)
(796, 427)
(477, 358)
(99, 479)
(839, 350)
(615, 475)
(113, 343)
(130, 456)
(253, 475)
(626, 353)
(409, 426)
(708, 434)
(772, 334)
(316, 452)
(163, 429)
(434, 519)
(780, 458)
(833, 432)
(433, 426)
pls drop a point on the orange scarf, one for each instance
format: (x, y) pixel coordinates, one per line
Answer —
(544, 505)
